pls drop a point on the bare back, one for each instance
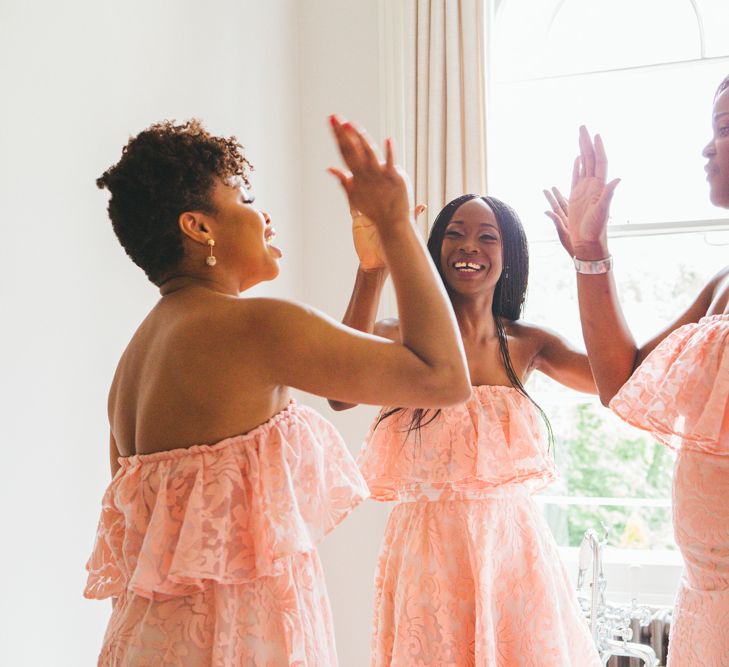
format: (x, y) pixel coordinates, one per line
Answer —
(183, 381)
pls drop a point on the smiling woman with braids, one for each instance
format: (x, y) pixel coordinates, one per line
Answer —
(469, 573)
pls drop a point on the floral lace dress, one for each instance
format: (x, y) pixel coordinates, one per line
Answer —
(469, 573)
(680, 394)
(210, 550)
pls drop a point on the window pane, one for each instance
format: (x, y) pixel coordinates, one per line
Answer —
(597, 454)
(554, 38)
(655, 123)
(715, 17)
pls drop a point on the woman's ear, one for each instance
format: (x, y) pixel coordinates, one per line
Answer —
(192, 224)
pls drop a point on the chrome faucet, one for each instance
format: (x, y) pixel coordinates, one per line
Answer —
(610, 625)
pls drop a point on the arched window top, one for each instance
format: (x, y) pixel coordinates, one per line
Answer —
(562, 37)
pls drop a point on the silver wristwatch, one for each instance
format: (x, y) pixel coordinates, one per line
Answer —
(593, 267)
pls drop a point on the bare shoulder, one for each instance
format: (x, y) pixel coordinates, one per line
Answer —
(537, 342)
(528, 333)
(265, 314)
(715, 296)
(388, 328)
(719, 283)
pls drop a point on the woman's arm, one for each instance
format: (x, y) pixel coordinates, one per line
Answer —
(563, 362)
(583, 232)
(307, 350)
(361, 311)
(582, 227)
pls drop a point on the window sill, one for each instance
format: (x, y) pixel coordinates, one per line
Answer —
(649, 577)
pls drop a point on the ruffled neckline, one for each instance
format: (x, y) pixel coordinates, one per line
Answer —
(493, 439)
(177, 522)
(715, 316)
(286, 413)
(680, 393)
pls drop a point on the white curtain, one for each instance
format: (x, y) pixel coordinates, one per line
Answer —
(445, 100)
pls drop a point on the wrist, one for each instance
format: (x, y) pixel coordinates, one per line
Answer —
(593, 267)
(591, 250)
(373, 273)
(394, 226)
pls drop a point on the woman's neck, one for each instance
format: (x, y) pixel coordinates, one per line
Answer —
(179, 283)
(475, 316)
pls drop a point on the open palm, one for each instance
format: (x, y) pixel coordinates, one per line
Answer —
(582, 221)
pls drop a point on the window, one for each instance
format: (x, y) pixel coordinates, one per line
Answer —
(556, 65)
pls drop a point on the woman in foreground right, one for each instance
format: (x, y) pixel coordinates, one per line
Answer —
(676, 386)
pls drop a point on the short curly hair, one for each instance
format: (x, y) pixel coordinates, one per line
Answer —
(164, 171)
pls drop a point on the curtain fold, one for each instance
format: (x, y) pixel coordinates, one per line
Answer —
(445, 100)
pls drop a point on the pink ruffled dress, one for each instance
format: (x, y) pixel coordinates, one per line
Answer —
(469, 573)
(680, 393)
(210, 550)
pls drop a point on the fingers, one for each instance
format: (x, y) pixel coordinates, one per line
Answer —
(344, 178)
(607, 195)
(562, 230)
(587, 151)
(348, 142)
(576, 170)
(419, 209)
(552, 201)
(368, 150)
(610, 187)
(358, 150)
(557, 202)
(389, 153)
(561, 199)
(601, 163)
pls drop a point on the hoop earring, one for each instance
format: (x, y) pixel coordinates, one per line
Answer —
(211, 260)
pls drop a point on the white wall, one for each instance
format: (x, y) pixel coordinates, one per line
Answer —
(340, 73)
(77, 78)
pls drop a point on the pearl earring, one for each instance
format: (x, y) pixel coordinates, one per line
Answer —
(210, 260)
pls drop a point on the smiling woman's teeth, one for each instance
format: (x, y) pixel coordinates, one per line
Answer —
(467, 267)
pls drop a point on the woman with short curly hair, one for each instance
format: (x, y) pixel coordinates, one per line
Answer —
(222, 485)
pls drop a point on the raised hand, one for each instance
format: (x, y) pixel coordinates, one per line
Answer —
(581, 222)
(367, 241)
(559, 216)
(590, 196)
(379, 190)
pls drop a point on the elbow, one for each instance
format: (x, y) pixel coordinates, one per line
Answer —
(339, 406)
(606, 396)
(452, 388)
